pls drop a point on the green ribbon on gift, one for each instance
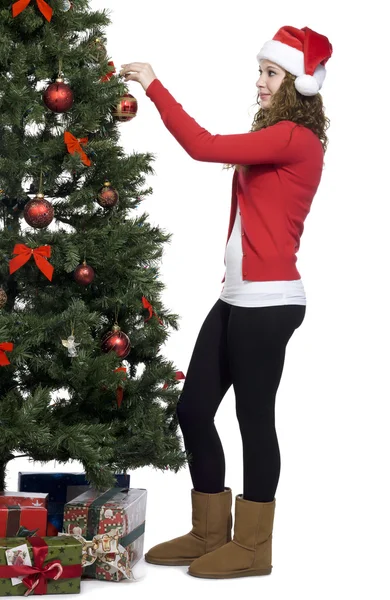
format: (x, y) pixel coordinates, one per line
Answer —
(132, 536)
(14, 528)
(13, 520)
(96, 505)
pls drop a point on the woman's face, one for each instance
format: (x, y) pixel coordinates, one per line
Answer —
(271, 76)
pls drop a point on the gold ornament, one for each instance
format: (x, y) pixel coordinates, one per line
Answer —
(98, 49)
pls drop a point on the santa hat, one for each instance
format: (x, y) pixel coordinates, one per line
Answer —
(302, 52)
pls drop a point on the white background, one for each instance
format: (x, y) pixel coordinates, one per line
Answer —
(331, 531)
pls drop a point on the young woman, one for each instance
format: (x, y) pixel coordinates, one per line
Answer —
(244, 337)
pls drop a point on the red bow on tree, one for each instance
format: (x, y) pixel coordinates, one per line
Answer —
(25, 253)
(149, 307)
(110, 72)
(74, 145)
(178, 376)
(43, 6)
(5, 347)
(119, 391)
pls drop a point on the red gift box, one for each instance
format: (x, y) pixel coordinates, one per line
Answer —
(34, 499)
(22, 521)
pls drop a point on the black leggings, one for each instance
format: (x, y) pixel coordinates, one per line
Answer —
(244, 347)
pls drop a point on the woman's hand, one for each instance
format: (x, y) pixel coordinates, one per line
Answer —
(137, 71)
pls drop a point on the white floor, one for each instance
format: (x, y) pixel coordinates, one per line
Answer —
(324, 548)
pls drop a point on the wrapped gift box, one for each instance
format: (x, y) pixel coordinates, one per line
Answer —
(112, 525)
(56, 565)
(22, 521)
(61, 488)
(24, 498)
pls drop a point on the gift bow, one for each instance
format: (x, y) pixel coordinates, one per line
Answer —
(43, 6)
(74, 145)
(35, 578)
(104, 547)
(5, 347)
(24, 253)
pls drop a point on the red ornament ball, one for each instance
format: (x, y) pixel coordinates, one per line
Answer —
(126, 109)
(107, 196)
(116, 340)
(58, 97)
(38, 212)
(84, 274)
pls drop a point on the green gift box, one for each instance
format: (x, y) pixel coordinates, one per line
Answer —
(56, 565)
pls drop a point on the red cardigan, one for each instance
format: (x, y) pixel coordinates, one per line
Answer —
(274, 196)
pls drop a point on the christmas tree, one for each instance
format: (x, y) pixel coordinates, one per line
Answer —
(81, 319)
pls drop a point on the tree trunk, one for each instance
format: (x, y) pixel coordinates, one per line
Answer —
(3, 466)
(3, 470)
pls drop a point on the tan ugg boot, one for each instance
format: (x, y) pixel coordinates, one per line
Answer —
(211, 529)
(250, 551)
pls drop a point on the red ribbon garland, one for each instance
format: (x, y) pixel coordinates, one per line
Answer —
(25, 253)
(119, 391)
(149, 307)
(74, 145)
(43, 6)
(110, 73)
(5, 347)
(36, 577)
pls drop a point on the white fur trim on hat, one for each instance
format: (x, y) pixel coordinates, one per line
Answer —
(292, 60)
(285, 56)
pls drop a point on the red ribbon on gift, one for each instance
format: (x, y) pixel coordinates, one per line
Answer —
(119, 391)
(110, 73)
(149, 307)
(43, 6)
(5, 347)
(36, 577)
(74, 145)
(24, 253)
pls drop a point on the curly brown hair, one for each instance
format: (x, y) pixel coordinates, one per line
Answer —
(289, 105)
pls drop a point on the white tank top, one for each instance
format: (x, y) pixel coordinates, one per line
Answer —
(238, 292)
